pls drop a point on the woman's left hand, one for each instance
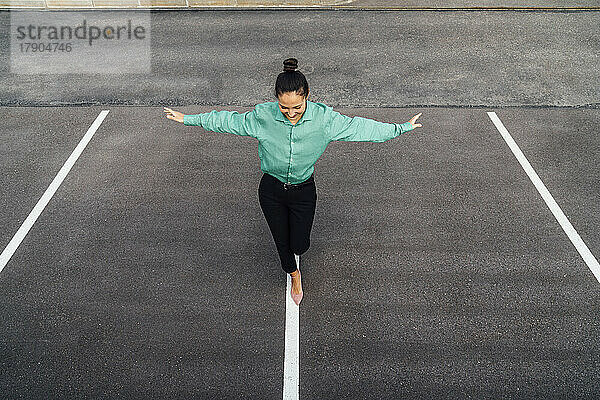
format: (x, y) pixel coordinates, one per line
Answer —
(414, 119)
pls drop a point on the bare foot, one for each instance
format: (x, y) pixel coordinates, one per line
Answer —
(296, 282)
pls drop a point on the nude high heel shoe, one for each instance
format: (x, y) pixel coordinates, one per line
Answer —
(297, 297)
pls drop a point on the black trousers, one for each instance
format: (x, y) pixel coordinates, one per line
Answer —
(289, 214)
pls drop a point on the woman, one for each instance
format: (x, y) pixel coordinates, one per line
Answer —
(292, 134)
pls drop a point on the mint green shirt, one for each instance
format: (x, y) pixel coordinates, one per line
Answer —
(289, 151)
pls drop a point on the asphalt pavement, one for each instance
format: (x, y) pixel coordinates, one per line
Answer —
(435, 270)
(351, 58)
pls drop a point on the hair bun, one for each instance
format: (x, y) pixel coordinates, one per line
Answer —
(291, 64)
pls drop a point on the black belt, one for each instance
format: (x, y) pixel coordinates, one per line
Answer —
(287, 186)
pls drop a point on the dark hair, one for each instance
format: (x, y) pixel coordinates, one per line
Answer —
(291, 80)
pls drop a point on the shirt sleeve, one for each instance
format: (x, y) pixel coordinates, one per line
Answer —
(241, 124)
(358, 129)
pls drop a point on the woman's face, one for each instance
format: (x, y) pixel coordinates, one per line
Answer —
(292, 105)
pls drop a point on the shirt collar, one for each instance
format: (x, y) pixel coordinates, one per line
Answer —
(307, 116)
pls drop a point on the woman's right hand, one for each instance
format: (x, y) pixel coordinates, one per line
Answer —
(174, 115)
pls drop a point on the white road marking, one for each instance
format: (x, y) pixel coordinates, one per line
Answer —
(291, 362)
(579, 244)
(43, 201)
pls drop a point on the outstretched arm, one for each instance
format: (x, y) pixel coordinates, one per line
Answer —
(242, 124)
(359, 129)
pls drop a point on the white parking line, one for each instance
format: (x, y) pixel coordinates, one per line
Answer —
(581, 247)
(291, 361)
(43, 201)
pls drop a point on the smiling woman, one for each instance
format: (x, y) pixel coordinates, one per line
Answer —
(292, 134)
